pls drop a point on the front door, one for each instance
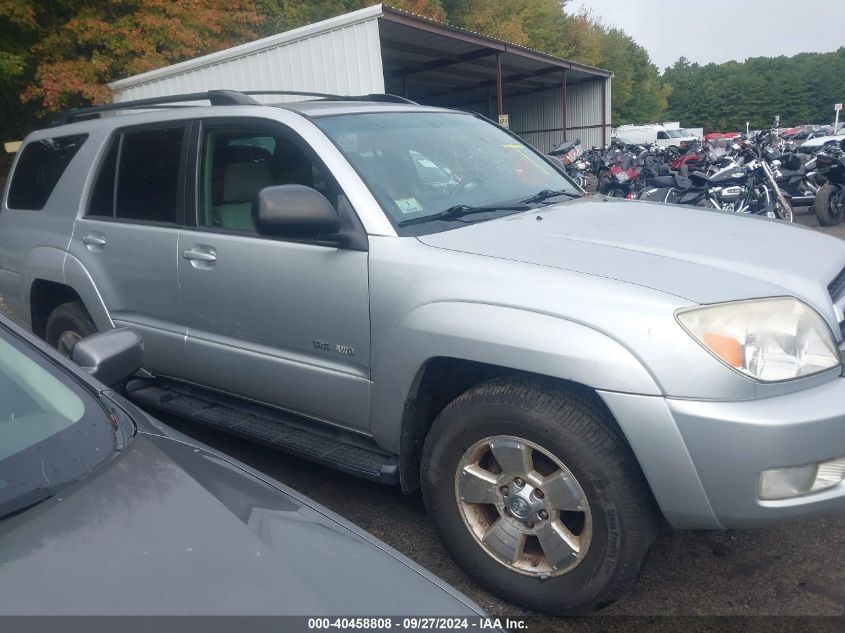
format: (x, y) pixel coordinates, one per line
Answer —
(285, 323)
(128, 235)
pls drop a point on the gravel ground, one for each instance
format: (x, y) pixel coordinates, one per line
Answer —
(790, 570)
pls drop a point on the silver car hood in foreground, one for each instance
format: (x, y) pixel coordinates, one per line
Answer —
(700, 255)
(170, 528)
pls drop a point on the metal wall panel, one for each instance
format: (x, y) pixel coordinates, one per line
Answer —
(538, 117)
(343, 60)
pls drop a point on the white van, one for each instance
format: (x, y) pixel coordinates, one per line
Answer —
(654, 135)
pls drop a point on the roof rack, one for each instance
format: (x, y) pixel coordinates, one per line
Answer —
(375, 97)
(216, 98)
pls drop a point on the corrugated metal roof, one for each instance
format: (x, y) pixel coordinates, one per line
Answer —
(504, 45)
(423, 38)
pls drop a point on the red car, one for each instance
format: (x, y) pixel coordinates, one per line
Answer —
(717, 135)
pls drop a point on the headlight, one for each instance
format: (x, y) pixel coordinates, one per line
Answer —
(622, 177)
(766, 339)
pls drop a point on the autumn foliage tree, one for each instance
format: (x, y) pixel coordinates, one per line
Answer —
(84, 45)
(281, 15)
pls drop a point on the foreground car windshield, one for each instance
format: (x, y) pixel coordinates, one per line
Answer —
(52, 432)
(421, 164)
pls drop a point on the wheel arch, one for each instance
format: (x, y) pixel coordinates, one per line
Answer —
(56, 277)
(440, 350)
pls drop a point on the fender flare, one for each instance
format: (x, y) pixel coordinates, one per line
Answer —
(507, 337)
(58, 266)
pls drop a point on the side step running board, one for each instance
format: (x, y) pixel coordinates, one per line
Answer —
(284, 431)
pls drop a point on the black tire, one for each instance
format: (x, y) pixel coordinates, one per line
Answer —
(828, 205)
(616, 192)
(566, 423)
(70, 317)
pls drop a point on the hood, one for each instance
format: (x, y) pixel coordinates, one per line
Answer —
(700, 255)
(169, 528)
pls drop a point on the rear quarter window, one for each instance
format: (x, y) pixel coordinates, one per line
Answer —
(38, 170)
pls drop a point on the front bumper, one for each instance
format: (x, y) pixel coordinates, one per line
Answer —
(703, 459)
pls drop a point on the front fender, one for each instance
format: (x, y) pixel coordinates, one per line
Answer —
(506, 337)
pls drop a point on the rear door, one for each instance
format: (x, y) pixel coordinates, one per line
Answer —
(285, 323)
(128, 235)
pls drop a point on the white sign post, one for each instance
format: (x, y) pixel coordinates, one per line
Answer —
(836, 107)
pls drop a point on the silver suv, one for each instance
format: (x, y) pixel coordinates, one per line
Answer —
(414, 295)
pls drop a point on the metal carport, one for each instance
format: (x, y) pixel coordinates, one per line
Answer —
(380, 49)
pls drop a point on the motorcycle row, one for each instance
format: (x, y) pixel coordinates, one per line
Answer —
(759, 174)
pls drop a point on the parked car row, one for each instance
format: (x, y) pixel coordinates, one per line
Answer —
(411, 295)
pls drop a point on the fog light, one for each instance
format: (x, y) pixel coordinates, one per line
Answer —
(782, 483)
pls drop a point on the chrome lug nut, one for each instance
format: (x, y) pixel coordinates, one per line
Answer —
(543, 515)
(539, 493)
(504, 491)
(519, 482)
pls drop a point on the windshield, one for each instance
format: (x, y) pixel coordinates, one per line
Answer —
(52, 432)
(420, 164)
(676, 133)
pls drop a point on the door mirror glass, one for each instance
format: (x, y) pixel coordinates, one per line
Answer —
(294, 211)
(110, 356)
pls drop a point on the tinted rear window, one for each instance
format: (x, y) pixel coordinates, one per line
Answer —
(148, 175)
(39, 168)
(139, 178)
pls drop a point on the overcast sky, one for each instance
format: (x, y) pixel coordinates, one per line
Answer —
(721, 30)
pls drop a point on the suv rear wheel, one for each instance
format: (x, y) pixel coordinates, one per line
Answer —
(66, 325)
(537, 496)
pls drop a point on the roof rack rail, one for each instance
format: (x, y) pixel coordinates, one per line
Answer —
(216, 97)
(376, 97)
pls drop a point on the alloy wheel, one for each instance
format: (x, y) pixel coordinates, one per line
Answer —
(523, 506)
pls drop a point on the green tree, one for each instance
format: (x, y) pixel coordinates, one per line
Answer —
(801, 89)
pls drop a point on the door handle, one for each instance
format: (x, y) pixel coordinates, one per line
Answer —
(199, 256)
(93, 240)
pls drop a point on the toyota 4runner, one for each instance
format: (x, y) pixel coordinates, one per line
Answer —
(414, 295)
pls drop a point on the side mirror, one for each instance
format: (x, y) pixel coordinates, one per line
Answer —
(294, 211)
(110, 356)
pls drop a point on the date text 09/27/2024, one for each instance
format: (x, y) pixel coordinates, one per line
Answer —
(416, 623)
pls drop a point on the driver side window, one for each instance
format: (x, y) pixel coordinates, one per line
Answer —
(238, 162)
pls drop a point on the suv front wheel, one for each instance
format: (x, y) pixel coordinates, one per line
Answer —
(66, 325)
(537, 495)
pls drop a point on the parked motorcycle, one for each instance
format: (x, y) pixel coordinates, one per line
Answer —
(740, 188)
(569, 153)
(830, 199)
(621, 177)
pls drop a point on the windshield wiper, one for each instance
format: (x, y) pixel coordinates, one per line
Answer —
(460, 210)
(545, 194)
